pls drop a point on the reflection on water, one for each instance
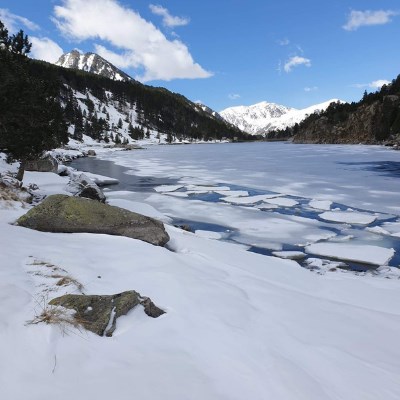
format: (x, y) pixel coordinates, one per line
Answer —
(126, 182)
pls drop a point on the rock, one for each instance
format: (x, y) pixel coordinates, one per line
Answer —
(91, 153)
(47, 164)
(83, 186)
(99, 314)
(61, 213)
(92, 191)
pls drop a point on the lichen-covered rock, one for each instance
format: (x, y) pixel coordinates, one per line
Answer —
(61, 213)
(99, 314)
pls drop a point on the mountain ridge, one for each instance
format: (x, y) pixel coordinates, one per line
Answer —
(93, 63)
(264, 117)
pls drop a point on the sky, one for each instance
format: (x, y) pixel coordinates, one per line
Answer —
(226, 53)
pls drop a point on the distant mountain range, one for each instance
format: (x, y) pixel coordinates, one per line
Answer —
(264, 117)
(93, 63)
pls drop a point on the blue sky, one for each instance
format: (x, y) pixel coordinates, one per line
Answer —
(227, 53)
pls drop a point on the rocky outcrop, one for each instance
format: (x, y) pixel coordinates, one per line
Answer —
(61, 213)
(99, 314)
(47, 164)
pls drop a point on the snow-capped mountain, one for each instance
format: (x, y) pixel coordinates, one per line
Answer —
(261, 118)
(208, 110)
(91, 62)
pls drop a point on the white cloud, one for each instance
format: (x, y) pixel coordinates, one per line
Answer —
(295, 61)
(45, 49)
(140, 44)
(168, 20)
(13, 22)
(379, 83)
(234, 96)
(283, 42)
(373, 85)
(356, 19)
(310, 89)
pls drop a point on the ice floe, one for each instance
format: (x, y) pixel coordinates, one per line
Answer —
(250, 199)
(167, 188)
(291, 255)
(320, 204)
(348, 217)
(365, 254)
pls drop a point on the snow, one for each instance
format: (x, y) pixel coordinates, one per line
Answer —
(282, 201)
(367, 254)
(168, 188)
(238, 325)
(264, 117)
(249, 199)
(140, 208)
(292, 255)
(101, 180)
(348, 217)
(208, 234)
(320, 204)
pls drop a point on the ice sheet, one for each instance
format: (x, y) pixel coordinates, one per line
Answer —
(348, 217)
(367, 254)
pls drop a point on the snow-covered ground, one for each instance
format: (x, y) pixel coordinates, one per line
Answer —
(238, 325)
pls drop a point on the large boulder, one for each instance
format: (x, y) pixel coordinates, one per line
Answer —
(61, 213)
(99, 314)
(47, 164)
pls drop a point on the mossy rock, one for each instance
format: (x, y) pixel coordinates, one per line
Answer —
(99, 314)
(61, 213)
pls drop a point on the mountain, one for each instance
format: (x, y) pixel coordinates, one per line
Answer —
(208, 110)
(93, 63)
(264, 117)
(374, 119)
(122, 111)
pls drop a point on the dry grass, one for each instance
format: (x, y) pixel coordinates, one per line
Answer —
(56, 315)
(67, 281)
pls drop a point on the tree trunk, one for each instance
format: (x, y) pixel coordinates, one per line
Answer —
(21, 170)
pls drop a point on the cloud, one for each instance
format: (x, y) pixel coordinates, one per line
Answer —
(45, 49)
(13, 22)
(138, 42)
(234, 96)
(310, 89)
(295, 61)
(283, 42)
(168, 20)
(356, 19)
(373, 85)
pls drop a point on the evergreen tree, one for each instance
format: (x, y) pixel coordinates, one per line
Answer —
(20, 43)
(31, 118)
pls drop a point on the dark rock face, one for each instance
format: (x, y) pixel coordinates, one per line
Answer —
(99, 314)
(48, 164)
(61, 213)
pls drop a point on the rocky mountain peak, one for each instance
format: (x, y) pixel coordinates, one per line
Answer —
(91, 62)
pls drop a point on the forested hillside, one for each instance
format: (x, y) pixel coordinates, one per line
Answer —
(374, 119)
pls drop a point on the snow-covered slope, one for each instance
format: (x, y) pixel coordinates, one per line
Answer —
(264, 117)
(91, 62)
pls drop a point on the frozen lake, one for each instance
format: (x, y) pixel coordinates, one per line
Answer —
(329, 201)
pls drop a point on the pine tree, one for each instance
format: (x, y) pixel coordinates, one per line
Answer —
(31, 119)
(20, 43)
